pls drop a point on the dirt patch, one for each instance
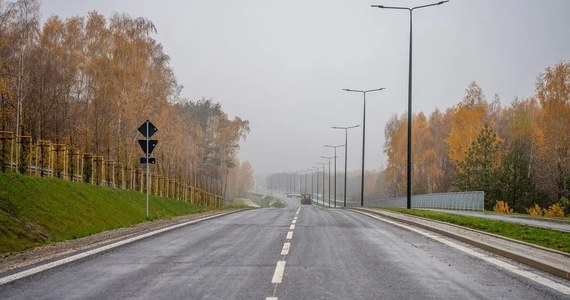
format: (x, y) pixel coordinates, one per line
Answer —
(10, 262)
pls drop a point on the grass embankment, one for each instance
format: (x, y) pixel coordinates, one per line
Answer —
(36, 211)
(262, 201)
(538, 236)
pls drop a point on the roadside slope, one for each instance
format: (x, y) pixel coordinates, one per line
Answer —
(36, 211)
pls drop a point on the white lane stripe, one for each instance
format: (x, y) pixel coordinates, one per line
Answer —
(75, 257)
(271, 298)
(292, 227)
(285, 250)
(295, 218)
(294, 221)
(278, 274)
(529, 275)
(289, 235)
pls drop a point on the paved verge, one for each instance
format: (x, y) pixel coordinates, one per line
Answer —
(551, 261)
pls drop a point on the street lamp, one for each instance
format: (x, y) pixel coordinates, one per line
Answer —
(329, 146)
(323, 165)
(329, 158)
(313, 169)
(345, 153)
(363, 138)
(409, 167)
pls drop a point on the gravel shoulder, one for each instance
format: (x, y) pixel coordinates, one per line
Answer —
(15, 261)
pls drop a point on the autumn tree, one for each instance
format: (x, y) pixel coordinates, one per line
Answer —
(89, 82)
(552, 164)
(395, 149)
(466, 120)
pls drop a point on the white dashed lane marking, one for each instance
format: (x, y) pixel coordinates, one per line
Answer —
(278, 274)
(285, 250)
(280, 268)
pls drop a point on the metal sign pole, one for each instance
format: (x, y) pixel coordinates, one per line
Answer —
(147, 167)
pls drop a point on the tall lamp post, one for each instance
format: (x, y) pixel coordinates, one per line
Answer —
(323, 165)
(363, 138)
(345, 153)
(329, 158)
(313, 169)
(329, 146)
(409, 164)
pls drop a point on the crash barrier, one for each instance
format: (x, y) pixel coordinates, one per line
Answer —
(46, 159)
(455, 201)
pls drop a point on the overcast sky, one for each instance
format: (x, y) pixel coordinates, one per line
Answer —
(282, 64)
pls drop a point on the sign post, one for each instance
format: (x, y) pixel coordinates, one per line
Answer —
(147, 129)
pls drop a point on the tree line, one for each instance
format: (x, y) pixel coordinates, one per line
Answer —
(519, 154)
(89, 82)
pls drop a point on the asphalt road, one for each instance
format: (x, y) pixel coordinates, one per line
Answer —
(332, 254)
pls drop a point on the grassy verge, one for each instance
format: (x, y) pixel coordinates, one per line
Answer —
(36, 211)
(539, 236)
(267, 201)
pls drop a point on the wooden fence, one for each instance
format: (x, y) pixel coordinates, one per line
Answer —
(45, 158)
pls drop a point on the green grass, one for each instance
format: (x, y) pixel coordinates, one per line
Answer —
(538, 236)
(267, 201)
(36, 211)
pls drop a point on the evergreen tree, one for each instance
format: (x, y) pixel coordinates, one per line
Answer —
(480, 170)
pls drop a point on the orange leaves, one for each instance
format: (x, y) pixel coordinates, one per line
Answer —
(466, 119)
(502, 207)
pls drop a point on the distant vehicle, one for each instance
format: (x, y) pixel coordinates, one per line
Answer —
(306, 199)
(289, 195)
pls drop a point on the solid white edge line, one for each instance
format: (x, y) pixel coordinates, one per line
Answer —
(271, 298)
(285, 250)
(512, 268)
(292, 227)
(278, 274)
(75, 257)
(289, 235)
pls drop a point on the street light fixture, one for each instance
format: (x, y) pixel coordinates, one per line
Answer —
(329, 158)
(363, 138)
(345, 153)
(329, 146)
(409, 164)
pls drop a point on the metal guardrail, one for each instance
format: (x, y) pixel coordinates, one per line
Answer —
(455, 201)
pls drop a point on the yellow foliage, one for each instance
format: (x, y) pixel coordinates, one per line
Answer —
(502, 207)
(555, 210)
(535, 211)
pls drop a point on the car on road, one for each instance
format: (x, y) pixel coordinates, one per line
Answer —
(306, 199)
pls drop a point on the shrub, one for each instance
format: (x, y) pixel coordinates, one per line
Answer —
(554, 210)
(565, 202)
(502, 207)
(535, 211)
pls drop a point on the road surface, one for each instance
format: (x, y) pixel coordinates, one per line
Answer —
(331, 254)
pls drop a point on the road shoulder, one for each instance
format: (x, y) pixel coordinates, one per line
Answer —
(551, 261)
(14, 262)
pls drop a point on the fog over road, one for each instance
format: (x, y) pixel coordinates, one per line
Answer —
(332, 254)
